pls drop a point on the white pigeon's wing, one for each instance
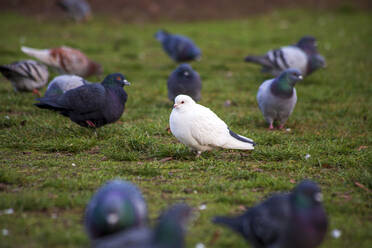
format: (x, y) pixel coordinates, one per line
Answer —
(208, 128)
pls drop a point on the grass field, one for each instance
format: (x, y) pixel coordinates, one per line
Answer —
(332, 122)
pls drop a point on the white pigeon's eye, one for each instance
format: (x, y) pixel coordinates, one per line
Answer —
(182, 102)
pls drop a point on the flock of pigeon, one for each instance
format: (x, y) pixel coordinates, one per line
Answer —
(117, 214)
(116, 217)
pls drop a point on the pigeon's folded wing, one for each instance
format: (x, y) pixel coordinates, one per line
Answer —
(208, 128)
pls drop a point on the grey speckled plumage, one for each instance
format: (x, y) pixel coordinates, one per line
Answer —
(302, 56)
(178, 47)
(79, 10)
(277, 97)
(26, 75)
(116, 207)
(184, 80)
(292, 220)
(63, 83)
(169, 232)
(91, 105)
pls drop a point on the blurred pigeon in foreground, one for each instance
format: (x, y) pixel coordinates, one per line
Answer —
(91, 105)
(117, 206)
(292, 220)
(178, 47)
(63, 83)
(26, 75)
(199, 128)
(184, 80)
(79, 10)
(302, 56)
(277, 97)
(67, 60)
(168, 233)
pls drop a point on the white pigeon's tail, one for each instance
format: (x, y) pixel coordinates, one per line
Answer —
(237, 141)
(41, 54)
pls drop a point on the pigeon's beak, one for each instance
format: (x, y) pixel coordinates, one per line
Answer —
(175, 105)
(300, 77)
(126, 82)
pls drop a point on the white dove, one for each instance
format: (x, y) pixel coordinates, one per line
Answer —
(199, 128)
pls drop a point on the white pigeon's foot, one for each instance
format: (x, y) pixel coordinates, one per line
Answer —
(198, 153)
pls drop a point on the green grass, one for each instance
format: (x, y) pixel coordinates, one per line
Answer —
(332, 122)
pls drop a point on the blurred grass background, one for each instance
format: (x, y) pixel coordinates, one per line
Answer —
(331, 122)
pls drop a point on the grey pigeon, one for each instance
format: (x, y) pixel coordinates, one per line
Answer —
(302, 56)
(277, 97)
(91, 105)
(178, 47)
(63, 83)
(292, 220)
(26, 75)
(79, 10)
(184, 80)
(117, 206)
(169, 232)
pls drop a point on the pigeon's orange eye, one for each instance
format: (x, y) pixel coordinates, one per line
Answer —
(182, 102)
(118, 78)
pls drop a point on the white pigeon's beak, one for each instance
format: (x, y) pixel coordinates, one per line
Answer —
(300, 77)
(126, 82)
(175, 105)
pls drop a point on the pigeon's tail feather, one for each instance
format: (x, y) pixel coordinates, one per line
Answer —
(261, 60)
(41, 54)
(49, 103)
(5, 69)
(234, 223)
(237, 141)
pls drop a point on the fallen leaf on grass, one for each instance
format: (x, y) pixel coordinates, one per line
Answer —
(214, 238)
(292, 181)
(362, 147)
(362, 187)
(165, 159)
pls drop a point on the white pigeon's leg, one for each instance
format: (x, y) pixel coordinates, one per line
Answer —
(198, 153)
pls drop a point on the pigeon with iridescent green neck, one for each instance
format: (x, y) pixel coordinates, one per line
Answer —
(169, 232)
(277, 97)
(302, 56)
(292, 220)
(116, 207)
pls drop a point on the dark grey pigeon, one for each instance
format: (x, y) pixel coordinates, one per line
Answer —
(178, 47)
(291, 220)
(92, 105)
(63, 83)
(79, 10)
(302, 56)
(116, 207)
(184, 80)
(277, 97)
(26, 75)
(169, 232)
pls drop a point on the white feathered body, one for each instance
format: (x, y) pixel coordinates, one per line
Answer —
(275, 107)
(288, 57)
(201, 129)
(26, 75)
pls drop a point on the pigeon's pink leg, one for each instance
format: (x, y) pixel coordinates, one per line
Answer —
(91, 124)
(271, 127)
(281, 126)
(36, 92)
